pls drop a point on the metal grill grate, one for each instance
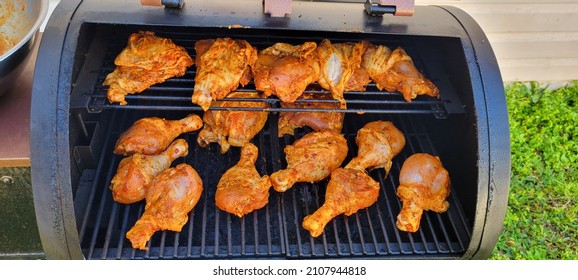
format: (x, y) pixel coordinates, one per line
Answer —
(274, 231)
(175, 93)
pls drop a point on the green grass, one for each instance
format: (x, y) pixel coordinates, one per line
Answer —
(542, 217)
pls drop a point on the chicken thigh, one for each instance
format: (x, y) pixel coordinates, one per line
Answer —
(394, 71)
(338, 63)
(152, 135)
(241, 189)
(319, 118)
(348, 191)
(311, 159)
(171, 196)
(146, 60)
(233, 127)
(424, 184)
(135, 173)
(222, 65)
(378, 142)
(285, 70)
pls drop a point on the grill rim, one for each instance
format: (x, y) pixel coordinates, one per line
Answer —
(50, 154)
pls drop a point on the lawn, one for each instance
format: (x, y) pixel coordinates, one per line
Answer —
(542, 217)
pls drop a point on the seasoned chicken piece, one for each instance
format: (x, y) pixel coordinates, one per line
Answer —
(135, 173)
(348, 191)
(285, 70)
(358, 81)
(338, 63)
(222, 65)
(320, 118)
(171, 196)
(394, 71)
(152, 135)
(311, 159)
(241, 189)
(378, 142)
(146, 60)
(424, 184)
(233, 127)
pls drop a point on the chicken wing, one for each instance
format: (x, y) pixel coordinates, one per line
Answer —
(147, 60)
(378, 142)
(241, 189)
(171, 196)
(395, 71)
(311, 159)
(348, 191)
(152, 135)
(233, 127)
(285, 70)
(320, 118)
(424, 184)
(135, 173)
(222, 65)
(338, 63)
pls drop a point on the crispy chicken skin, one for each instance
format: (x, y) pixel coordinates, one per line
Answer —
(135, 173)
(286, 70)
(222, 65)
(348, 191)
(424, 184)
(233, 127)
(394, 71)
(171, 196)
(152, 135)
(315, 119)
(146, 60)
(338, 63)
(241, 189)
(311, 159)
(378, 142)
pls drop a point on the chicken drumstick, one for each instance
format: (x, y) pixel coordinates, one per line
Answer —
(241, 189)
(311, 159)
(378, 142)
(172, 195)
(153, 135)
(135, 173)
(348, 191)
(424, 184)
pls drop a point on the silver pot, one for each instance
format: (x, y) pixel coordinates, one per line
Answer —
(20, 21)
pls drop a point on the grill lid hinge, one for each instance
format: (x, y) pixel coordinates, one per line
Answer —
(395, 7)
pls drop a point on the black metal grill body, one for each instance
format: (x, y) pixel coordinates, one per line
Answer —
(73, 130)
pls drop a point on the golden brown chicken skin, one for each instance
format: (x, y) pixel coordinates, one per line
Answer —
(135, 173)
(394, 71)
(378, 143)
(146, 60)
(152, 135)
(286, 70)
(311, 159)
(222, 65)
(348, 191)
(233, 127)
(241, 190)
(338, 63)
(424, 184)
(316, 115)
(171, 196)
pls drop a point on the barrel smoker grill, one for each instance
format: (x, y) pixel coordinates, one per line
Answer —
(74, 128)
